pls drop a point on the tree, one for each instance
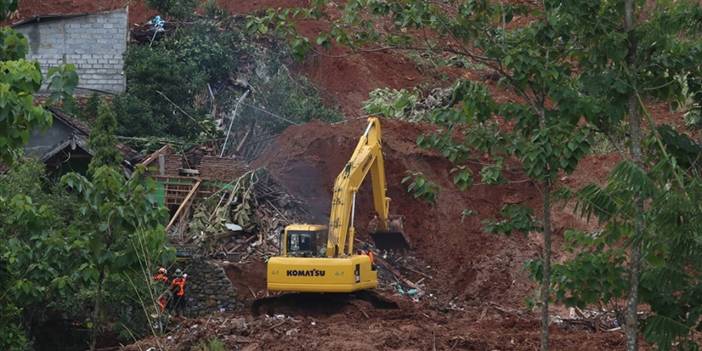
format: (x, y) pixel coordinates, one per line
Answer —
(90, 110)
(637, 52)
(122, 229)
(103, 142)
(19, 81)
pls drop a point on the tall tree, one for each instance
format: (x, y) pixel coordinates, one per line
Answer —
(103, 142)
(632, 318)
(20, 79)
(122, 230)
(632, 52)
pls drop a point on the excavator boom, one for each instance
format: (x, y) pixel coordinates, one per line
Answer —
(367, 157)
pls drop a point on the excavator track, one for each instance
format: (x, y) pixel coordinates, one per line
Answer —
(316, 303)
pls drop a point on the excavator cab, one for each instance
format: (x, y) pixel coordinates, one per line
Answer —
(303, 264)
(304, 241)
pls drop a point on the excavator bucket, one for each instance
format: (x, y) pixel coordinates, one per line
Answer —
(392, 239)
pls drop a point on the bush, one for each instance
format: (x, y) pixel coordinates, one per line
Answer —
(168, 94)
(180, 9)
(90, 110)
(158, 83)
(213, 344)
(292, 98)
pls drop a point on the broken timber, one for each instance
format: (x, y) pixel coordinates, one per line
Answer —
(184, 204)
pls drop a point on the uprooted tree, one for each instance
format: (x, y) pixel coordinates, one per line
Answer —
(577, 69)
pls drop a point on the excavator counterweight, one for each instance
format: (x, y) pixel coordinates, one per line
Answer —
(319, 258)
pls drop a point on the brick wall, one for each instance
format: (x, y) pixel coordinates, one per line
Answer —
(224, 169)
(95, 43)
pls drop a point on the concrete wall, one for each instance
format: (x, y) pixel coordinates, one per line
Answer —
(95, 43)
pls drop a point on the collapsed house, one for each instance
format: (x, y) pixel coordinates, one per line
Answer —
(63, 147)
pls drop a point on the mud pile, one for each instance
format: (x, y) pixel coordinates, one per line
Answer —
(471, 266)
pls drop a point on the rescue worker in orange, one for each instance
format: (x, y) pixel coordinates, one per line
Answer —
(178, 289)
(162, 277)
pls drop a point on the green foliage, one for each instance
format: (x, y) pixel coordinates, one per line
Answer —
(515, 219)
(102, 141)
(122, 235)
(596, 275)
(420, 187)
(19, 81)
(212, 344)
(278, 23)
(7, 7)
(162, 86)
(179, 9)
(492, 174)
(391, 103)
(12, 336)
(35, 258)
(170, 84)
(14, 45)
(212, 10)
(90, 110)
(462, 177)
(55, 243)
(292, 100)
(62, 82)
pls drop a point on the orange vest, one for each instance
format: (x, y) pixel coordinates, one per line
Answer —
(160, 277)
(370, 254)
(180, 284)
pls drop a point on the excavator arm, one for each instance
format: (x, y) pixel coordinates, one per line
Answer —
(367, 157)
(306, 264)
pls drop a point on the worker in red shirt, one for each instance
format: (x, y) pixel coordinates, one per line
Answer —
(178, 290)
(162, 277)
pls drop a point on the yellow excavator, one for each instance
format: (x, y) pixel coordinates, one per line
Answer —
(319, 258)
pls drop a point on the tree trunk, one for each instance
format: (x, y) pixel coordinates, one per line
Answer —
(546, 279)
(635, 251)
(632, 325)
(97, 311)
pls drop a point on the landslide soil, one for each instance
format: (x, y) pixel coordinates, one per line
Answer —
(482, 273)
(468, 265)
(475, 296)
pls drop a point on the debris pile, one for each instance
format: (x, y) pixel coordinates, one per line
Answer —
(247, 215)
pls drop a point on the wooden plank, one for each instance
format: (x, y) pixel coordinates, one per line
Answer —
(155, 155)
(184, 204)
